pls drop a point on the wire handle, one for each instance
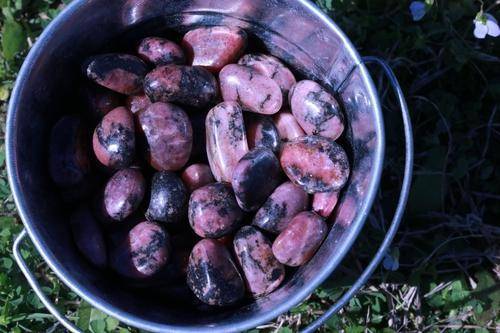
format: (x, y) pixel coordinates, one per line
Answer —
(16, 249)
(398, 214)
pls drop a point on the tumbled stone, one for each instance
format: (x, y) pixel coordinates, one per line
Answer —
(99, 100)
(213, 211)
(114, 139)
(255, 92)
(122, 73)
(316, 110)
(169, 198)
(214, 47)
(138, 103)
(168, 134)
(287, 126)
(298, 242)
(324, 203)
(315, 163)
(192, 86)
(225, 138)
(212, 274)
(123, 193)
(255, 177)
(160, 51)
(196, 176)
(263, 273)
(261, 132)
(284, 203)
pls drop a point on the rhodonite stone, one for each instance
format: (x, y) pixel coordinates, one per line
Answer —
(114, 139)
(255, 92)
(137, 103)
(213, 211)
(315, 163)
(298, 242)
(284, 203)
(263, 273)
(160, 51)
(99, 100)
(169, 198)
(192, 86)
(196, 176)
(255, 177)
(169, 136)
(324, 203)
(214, 47)
(124, 193)
(225, 139)
(287, 126)
(122, 73)
(316, 110)
(212, 274)
(261, 132)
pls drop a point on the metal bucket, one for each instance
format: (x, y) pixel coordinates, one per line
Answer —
(293, 30)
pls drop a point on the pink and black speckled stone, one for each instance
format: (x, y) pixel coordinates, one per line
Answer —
(225, 139)
(192, 86)
(122, 73)
(298, 242)
(114, 139)
(213, 211)
(261, 132)
(168, 134)
(315, 163)
(212, 274)
(88, 236)
(160, 51)
(255, 92)
(124, 193)
(324, 203)
(143, 252)
(287, 125)
(272, 68)
(284, 203)
(137, 103)
(316, 110)
(196, 176)
(263, 273)
(214, 47)
(255, 177)
(168, 200)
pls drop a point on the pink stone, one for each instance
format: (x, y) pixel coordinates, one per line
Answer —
(261, 132)
(262, 272)
(137, 103)
(212, 275)
(196, 176)
(315, 163)
(114, 139)
(214, 47)
(284, 203)
(169, 136)
(255, 92)
(316, 110)
(324, 203)
(160, 51)
(124, 193)
(296, 245)
(287, 126)
(225, 139)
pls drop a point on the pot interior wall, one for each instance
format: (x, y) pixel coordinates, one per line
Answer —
(48, 89)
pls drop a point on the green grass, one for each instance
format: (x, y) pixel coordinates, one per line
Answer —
(447, 250)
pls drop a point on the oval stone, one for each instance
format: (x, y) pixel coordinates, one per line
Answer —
(324, 203)
(138, 103)
(263, 273)
(295, 245)
(124, 193)
(225, 138)
(114, 139)
(213, 211)
(315, 163)
(284, 203)
(214, 47)
(316, 110)
(212, 274)
(192, 86)
(272, 68)
(143, 252)
(168, 134)
(160, 51)
(122, 73)
(255, 92)
(196, 176)
(169, 198)
(288, 127)
(255, 177)
(261, 132)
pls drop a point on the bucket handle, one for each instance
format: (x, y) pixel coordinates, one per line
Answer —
(398, 214)
(16, 249)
